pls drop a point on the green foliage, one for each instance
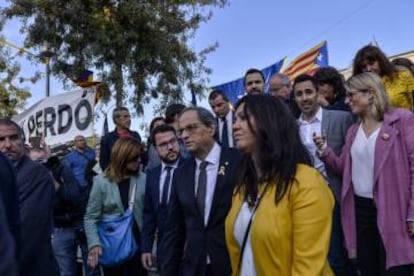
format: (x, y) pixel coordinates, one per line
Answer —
(12, 97)
(142, 45)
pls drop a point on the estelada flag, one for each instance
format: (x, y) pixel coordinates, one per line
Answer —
(308, 62)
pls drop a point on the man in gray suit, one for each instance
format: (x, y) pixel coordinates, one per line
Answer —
(314, 120)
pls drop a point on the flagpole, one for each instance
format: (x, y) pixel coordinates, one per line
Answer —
(47, 78)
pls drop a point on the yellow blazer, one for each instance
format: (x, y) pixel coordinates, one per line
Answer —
(292, 237)
(400, 89)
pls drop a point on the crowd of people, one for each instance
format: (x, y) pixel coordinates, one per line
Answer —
(314, 176)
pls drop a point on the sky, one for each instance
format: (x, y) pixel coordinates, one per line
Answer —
(261, 32)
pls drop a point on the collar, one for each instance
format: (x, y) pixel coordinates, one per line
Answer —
(174, 165)
(316, 118)
(213, 157)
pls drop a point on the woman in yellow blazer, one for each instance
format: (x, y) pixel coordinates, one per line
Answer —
(398, 83)
(286, 202)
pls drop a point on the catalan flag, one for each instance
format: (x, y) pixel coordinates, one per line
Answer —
(308, 62)
(86, 79)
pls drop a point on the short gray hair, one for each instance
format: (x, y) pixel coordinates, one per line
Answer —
(284, 80)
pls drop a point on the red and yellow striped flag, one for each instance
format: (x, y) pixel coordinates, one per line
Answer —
(308, 62)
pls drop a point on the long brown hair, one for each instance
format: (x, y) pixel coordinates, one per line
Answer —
(123, 151)
(371, 53)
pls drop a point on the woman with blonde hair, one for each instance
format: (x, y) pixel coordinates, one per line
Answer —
(110, 195)
(399, 84)
(377, 166)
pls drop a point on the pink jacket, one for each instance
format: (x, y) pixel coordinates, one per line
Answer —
(393, 186)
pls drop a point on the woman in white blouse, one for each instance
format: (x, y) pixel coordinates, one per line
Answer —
(377, 165)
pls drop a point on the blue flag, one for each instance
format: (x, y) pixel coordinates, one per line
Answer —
(235, 89)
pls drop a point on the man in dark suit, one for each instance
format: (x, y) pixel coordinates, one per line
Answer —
(122, 120)
(314, 120)
(9, 196)
(36, 198)
(202, 188)
(9, 218)
(157, 191)
(220, 105)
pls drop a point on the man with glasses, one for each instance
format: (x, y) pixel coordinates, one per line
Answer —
(122, 121)
(280, 87)
(36, 197)
(201, 193)
(157, 192)
(333, 124)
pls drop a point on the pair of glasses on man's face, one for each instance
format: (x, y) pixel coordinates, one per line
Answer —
(190, 128)
(165, 145)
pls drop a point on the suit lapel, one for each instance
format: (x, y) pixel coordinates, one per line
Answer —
(190, 186)
(385, 140)
(156, 178)
(326, 118)
(220, 182)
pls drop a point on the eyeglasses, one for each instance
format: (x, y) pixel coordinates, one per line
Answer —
(275, 90)
(165, 145)
(190, 128)
(351, 93)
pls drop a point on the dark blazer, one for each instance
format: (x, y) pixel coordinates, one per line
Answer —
(217, 133)
(187, 240)
(335, 124)
(153, 216)
(107, 142)
(9, 196)
(36, 199)
(8, 264)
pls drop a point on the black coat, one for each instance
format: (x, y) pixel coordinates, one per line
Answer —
(36, 198)
(9, 197)
(107, 143)
(154, 217)
(185, 225)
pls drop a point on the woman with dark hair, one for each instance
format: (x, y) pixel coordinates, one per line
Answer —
(377, 167)
(281, 215)
(110, 195)
(398, 83)
(331, 89)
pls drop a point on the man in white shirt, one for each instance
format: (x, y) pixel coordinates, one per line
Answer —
(201, 195)
(220, 105)
(333, 124)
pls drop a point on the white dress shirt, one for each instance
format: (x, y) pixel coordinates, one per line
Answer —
(306, 130)
(213, 159)
(240, 227)
(362, 155)
(229, 119)
(163, 175)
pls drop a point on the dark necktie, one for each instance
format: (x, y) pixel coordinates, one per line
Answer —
(224, 135)
(201, 188)
(165, 188)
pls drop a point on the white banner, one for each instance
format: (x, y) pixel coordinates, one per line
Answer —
(60, 118)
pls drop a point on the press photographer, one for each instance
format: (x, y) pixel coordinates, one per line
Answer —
(69, 209)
